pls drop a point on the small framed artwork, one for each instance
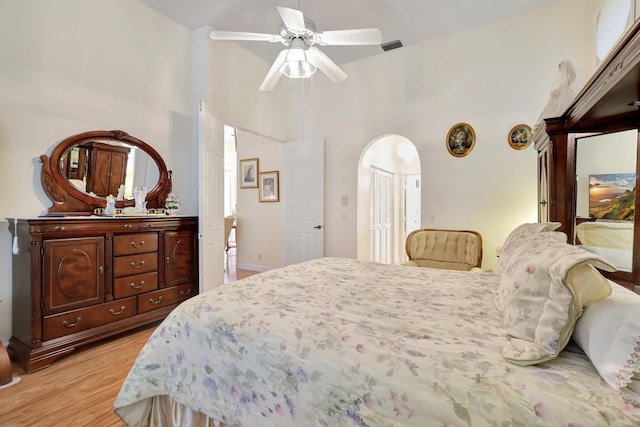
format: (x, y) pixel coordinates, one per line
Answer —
(520, 137)
(269, 186)
(249, 173)
(461, 139)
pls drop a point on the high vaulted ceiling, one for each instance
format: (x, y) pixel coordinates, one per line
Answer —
(411, 21)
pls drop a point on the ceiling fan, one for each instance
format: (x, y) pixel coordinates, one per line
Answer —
(302, 57)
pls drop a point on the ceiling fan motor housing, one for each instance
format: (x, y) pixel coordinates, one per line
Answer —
(289, 35)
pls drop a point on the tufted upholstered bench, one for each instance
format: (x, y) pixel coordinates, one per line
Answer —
(445, 249)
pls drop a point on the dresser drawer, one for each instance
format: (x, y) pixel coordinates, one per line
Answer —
(86, 318)
(135, 264)
(129, 244)
(133, 285)
(164, 297)
(87, 228)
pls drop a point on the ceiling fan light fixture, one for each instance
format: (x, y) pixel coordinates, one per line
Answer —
(297, 65)
(301, 57)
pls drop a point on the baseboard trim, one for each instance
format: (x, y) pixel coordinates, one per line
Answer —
(258, 268)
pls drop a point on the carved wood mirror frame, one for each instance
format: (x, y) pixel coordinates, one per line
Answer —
(69, 200)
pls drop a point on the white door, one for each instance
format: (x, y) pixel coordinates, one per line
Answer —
(211, 244)
(412, 204)
(381, 212)
(303, 191)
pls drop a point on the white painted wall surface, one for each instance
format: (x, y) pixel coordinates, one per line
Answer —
(259, 246)
(493, 78)
(72, 66)
(75, 65)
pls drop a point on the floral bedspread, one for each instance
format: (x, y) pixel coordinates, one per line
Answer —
(340, 342)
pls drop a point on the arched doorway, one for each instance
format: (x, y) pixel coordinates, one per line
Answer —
(389, 201)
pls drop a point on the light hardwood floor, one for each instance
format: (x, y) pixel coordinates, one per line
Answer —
(79, 389)
(76, 390)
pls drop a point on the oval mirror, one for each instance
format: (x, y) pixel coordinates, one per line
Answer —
(108, 167)
(85, 168)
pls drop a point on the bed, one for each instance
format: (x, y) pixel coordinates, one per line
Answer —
(611, 239)
(341, 342)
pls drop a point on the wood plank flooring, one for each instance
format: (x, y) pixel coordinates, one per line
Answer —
(79, 389)
(76, 390)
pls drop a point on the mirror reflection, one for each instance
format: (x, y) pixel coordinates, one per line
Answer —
(606, 192)
(103, 167)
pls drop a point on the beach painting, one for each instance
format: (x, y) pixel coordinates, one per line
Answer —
(612, 196)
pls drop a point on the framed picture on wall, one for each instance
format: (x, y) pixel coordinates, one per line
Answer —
(249, 173)
(612, 196)
(519, 137)
(269, 186)
(461, 139)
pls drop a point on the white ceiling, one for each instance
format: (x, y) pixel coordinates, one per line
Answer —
(411, 21)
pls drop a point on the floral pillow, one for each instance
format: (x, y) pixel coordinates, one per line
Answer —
(509, 252)
(547, 284)
(520, 233)
(609, 334)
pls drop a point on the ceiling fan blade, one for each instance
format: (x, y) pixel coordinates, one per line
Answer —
(366, 36)
(273, 75)
(326, 65)
(241, 36)
(293, 19)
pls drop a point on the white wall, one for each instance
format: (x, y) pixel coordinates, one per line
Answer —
(75, 65)
(493, 78)
(259, 246)
(71, 66)
(228, 76)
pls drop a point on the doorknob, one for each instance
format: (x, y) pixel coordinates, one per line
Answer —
(318, 227)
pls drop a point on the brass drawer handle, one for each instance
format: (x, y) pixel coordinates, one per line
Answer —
(133, 244)
(115, 313)
(101, 269)
(133, 264)
(59, 228)
(128, 226)
(185, 293)
(155, 302)
(71, 325)
(134, 286)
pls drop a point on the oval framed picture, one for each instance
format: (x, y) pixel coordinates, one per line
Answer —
(461, 139)
(520, 137)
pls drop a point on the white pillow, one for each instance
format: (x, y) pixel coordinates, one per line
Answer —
(609, 334)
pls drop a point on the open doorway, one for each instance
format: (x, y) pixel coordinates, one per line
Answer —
(230, 185)
(389, 198)
(230, 202)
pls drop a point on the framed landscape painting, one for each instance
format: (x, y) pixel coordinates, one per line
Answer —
(612, 196)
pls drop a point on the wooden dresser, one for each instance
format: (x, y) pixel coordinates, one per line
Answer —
(77, 280)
